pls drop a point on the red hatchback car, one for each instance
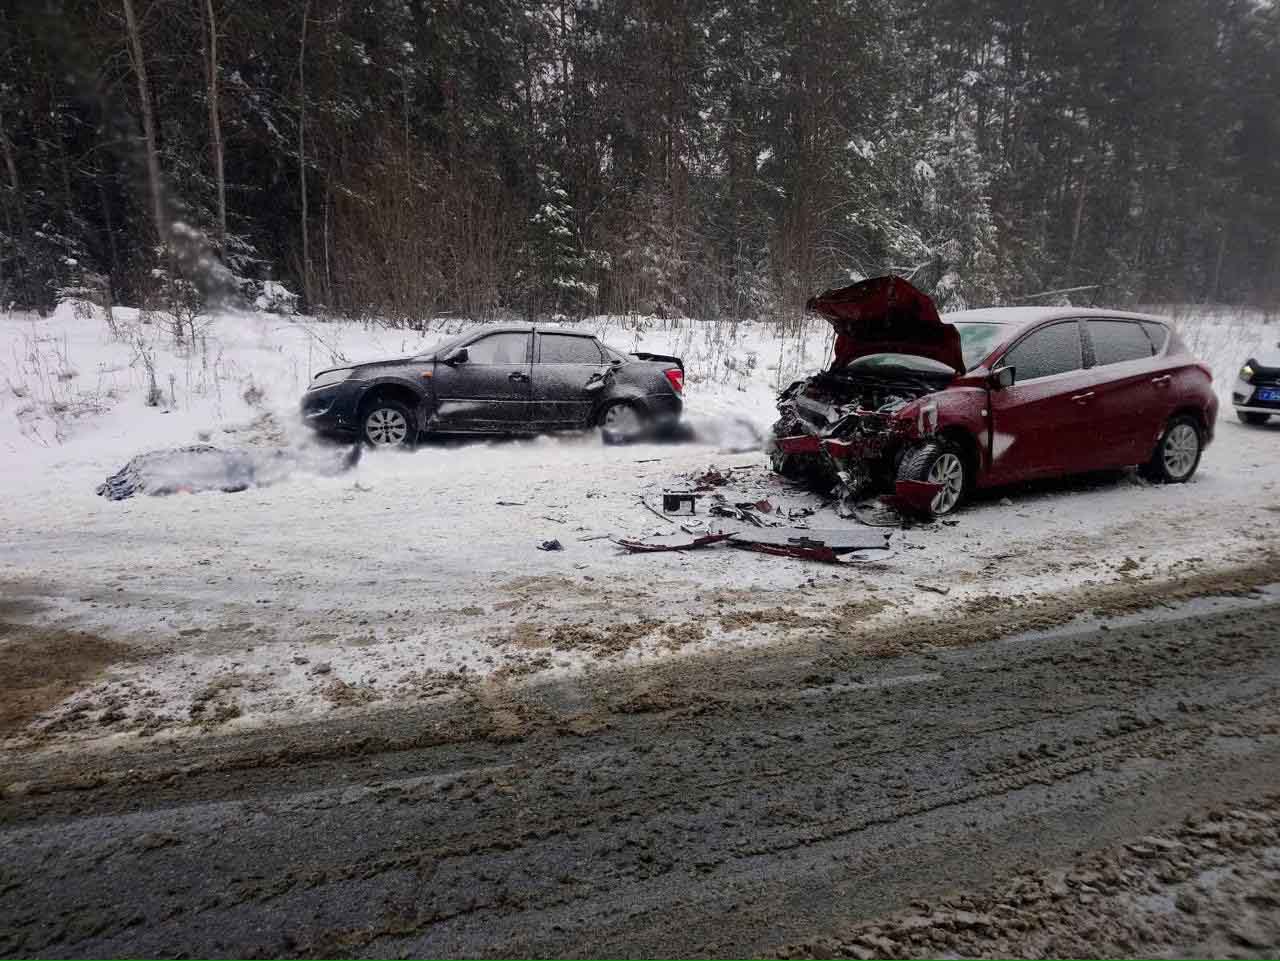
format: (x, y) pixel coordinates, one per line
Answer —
(934, 409)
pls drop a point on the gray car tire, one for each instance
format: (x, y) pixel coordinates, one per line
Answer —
(386, 424)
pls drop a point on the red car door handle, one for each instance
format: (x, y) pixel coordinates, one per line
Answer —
(1083, 398)
(1162, 379)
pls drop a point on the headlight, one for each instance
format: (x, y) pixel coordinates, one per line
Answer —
(1246, 374)
(330, 377)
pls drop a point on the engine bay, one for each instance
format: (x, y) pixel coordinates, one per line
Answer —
(830, 398)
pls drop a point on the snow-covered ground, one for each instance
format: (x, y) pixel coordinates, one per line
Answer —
(417, 575)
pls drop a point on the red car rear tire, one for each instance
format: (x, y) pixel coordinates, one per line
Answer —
(1177, 456)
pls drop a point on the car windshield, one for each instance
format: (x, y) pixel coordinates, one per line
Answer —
(976, 341)
(441, 346)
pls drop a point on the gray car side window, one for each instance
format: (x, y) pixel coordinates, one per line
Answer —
(1050, 350)
(499, 349)
(567, 349)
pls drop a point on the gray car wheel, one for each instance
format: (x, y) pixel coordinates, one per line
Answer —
(621, 423)
(388, 423)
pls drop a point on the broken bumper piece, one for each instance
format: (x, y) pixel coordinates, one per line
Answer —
(823, 546)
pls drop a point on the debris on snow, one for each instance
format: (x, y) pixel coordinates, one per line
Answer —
(804, 545)
(675, 502)
(203, 467)
(642, 547)
(944, 591)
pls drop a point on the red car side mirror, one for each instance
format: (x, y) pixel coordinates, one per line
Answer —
(1001, 378)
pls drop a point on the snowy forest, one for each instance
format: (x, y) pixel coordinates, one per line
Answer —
(406, 159)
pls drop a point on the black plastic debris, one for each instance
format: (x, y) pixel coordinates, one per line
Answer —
(552, 545)
(676, 502)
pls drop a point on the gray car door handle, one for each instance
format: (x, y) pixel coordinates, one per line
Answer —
(1162, 379)
(516, 375)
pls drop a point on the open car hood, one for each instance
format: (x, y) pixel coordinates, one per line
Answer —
(886, 315)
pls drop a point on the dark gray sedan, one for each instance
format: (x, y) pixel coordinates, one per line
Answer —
(511, 379)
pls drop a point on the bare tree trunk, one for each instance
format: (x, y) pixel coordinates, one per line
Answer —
(11, 166)
(302, 150)
(215, 120)
(17, 206)
(15, 186)
(327, 293)
(1078, 220)
(1217, 266)
(148, 121)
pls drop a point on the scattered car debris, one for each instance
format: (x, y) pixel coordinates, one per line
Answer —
(675, 502)
(551, 545)
(806, 552)
(642, 547)
(203, 467)
(745, 511)
(944, 591)
(824, 546)
(649, 507)
(711, 477)
(841, 540)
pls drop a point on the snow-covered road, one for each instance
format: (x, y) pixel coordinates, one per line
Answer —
(415, 573)
(418, 575)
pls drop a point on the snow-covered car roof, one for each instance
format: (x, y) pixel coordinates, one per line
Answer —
(1026, 316)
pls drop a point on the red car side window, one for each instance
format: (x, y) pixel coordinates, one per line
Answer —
(1115, 341)
(1051, 350)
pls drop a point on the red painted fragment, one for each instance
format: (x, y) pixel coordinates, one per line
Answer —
(915, 497)
(799, 444)
(816, 552)
(839, 449)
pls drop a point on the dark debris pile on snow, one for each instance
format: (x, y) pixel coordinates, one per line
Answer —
(203, 467)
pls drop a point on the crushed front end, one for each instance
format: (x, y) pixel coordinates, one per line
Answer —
(839, 429)
(849, 427)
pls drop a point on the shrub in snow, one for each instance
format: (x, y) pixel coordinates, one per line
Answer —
(270, 296)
